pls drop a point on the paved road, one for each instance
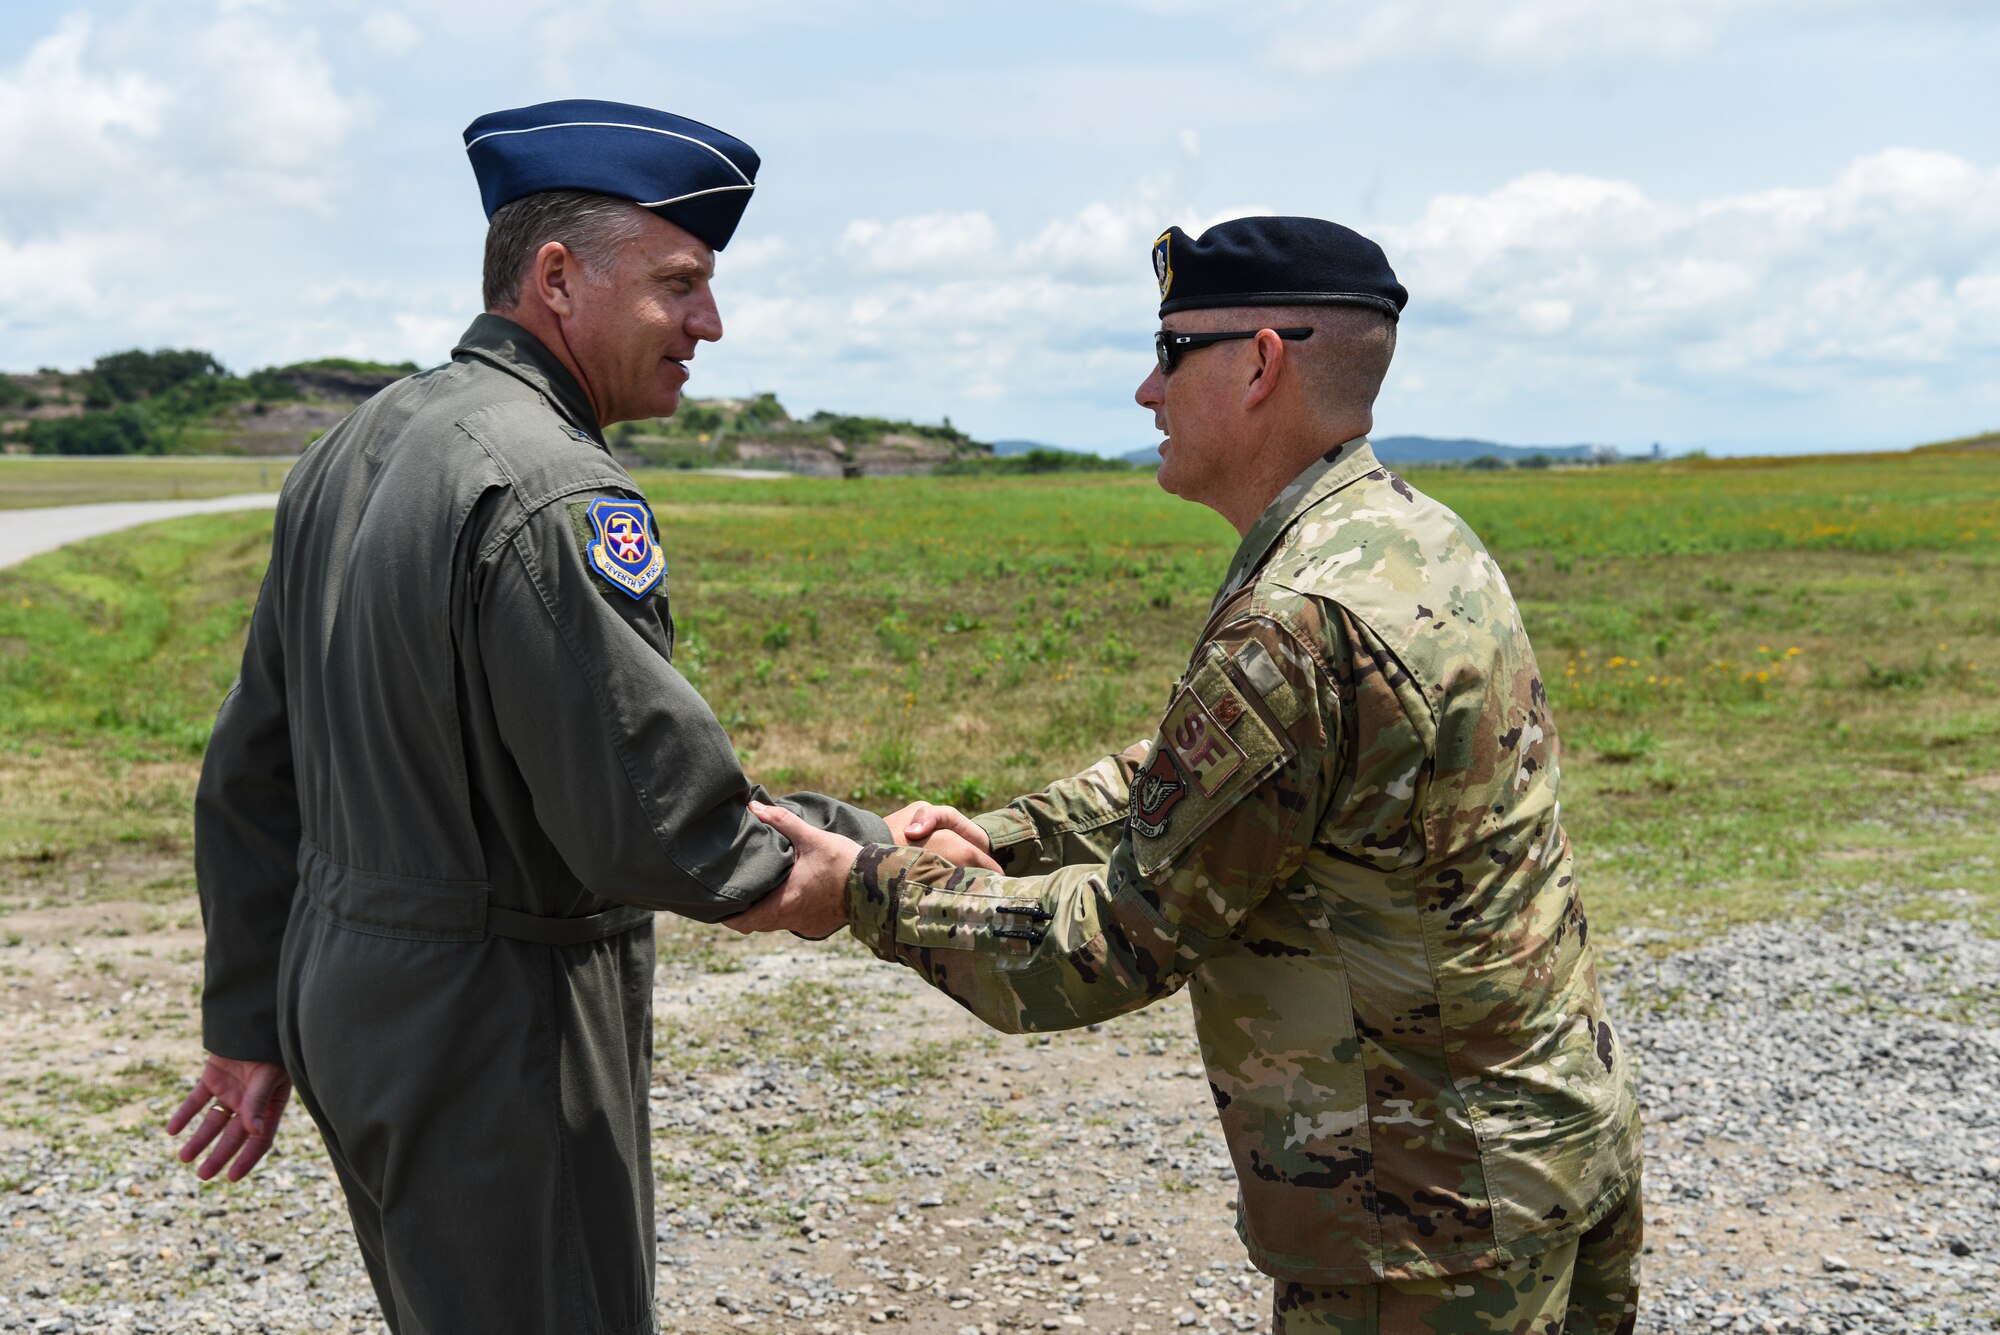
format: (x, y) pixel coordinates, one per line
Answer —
(26, 533)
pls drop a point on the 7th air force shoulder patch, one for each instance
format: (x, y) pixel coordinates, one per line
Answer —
(621, 547)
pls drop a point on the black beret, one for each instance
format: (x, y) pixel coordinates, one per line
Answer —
(1274, 262)
(691, 174)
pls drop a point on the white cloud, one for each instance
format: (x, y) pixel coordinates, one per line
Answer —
(256, 100)
(149, 159)
(926, 243)
(1103, 242)
(64, 128)
(1325, 36)
(1888, 275)
(164, 113)
(390, 34)
(51, 280)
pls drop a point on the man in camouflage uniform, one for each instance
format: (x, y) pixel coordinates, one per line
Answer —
(1345, 841)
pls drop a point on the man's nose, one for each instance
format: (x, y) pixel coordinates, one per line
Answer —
(1152, 391)
(704, 321)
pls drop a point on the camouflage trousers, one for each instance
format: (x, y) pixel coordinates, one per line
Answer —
(1587, 1286)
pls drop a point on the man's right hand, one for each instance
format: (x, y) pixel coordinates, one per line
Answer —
(917, 822)
(959, 851)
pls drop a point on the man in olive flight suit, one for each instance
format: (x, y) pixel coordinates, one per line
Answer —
(459, 771)
(1345, 841)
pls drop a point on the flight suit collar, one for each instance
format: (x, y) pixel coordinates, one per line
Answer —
(499, 341)
(1339, 467)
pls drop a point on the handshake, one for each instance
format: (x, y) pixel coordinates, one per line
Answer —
(813, 900)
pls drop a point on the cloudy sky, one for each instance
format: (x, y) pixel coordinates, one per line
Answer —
(1740, 225)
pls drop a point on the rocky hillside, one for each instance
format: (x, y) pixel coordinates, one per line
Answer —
(182, 401)
(760, 433)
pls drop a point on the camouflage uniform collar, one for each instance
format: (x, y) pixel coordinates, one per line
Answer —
(1340, 466)
(499, 341)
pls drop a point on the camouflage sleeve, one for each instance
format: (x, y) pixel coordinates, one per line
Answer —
(1222, 809)
(1075, 820)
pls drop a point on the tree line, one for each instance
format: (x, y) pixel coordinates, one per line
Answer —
(139, 402)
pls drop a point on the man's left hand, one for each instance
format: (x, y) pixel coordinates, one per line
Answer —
(248, 1099)
(813, 900)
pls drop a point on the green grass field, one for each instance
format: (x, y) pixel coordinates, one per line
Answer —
(28, 481)
(1776, 681)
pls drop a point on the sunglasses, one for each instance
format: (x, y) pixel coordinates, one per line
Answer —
(1169, 347)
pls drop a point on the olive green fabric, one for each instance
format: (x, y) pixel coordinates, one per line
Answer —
(1588, 1285)
(444, 710)
(1345, 840)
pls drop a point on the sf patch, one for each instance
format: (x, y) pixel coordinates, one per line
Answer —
(1212, 757)
(621, 547)
(1163, 263)
(1200, 741)
(1156, 791)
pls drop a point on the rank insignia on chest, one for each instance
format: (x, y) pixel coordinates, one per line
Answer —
(1156, 791)
(623, 550)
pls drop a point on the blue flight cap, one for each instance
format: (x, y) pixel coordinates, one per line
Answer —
(1274, 262)
(691, 174)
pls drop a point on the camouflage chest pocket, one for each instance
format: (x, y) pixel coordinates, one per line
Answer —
(1214, 748)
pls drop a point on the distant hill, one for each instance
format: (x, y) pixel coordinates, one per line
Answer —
(1989, 441)
(1431, 450)
(1003, 449)
(759, 432)
(1411, 450)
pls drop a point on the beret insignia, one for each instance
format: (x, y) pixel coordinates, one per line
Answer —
(1163, 262)
(623, 550)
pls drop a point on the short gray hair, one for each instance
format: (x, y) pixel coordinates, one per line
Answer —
(1344, 363)
(593, 226)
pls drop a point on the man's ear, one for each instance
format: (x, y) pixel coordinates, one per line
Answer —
(1268, 366)
(554, 276)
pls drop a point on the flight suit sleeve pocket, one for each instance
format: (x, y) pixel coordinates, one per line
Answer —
(1213, 749)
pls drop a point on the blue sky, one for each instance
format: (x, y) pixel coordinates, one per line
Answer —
(1740, 225)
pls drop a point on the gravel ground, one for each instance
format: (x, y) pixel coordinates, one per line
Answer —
(1823, 1128)
(839, 1149)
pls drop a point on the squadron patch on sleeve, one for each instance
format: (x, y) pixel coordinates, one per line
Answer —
(622, 549)
(1155, 793)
